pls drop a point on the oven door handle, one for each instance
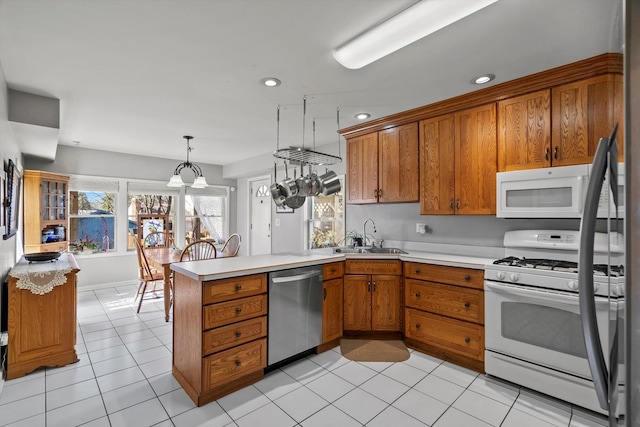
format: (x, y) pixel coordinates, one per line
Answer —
(557, 298)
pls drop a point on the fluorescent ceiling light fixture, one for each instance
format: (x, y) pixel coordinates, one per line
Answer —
(271, 82)
(362, 116)
(408, 26)
(484, 79)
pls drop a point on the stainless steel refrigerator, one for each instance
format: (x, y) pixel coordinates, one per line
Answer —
(632, 210)
(604, 364)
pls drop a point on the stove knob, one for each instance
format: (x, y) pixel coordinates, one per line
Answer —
(514, 277)
(573, 285)
(500, 275)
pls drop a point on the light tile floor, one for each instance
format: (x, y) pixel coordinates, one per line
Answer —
(124, 378)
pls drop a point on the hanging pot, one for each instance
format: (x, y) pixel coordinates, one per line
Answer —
(303, 183)
(330, 183)
(277, 192)
(315, 186)
(295, 200)
(289, 184)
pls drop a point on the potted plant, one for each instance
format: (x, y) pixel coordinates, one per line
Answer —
(84, 245)
(355, 238)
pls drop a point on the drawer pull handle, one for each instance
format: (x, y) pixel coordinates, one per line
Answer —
(333, 269)
(467, 277)
(238, 288)
(418, 295)
(238, 363)
(451, 204)
(238, 334)
(238, 310)
(467, 304)
(417, 325)
(374, 286)
(417, 271)
(379, 193)
(546, 153)
(368, 286)
(467, 340)
(555, 152)
(457, 204)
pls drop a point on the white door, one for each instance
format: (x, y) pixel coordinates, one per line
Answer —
(260, 226)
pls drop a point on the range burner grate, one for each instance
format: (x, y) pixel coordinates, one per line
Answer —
(559, 265)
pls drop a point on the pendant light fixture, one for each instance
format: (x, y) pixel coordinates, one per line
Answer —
(176, 179)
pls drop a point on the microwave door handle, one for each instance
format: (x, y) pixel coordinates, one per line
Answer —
(586, 295)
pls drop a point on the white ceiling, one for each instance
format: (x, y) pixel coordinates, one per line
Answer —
(134, 76)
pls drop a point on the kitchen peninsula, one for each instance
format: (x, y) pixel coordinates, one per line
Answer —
(220, 314)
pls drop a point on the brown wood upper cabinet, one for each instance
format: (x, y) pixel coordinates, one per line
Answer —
(583, 112)
(383, 166)
(458, 162)
(524, 131)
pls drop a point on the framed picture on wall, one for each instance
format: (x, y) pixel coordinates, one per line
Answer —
(11, 200)
(3, 178)
(151, 223)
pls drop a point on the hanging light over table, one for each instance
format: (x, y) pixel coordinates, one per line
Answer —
(176, 179)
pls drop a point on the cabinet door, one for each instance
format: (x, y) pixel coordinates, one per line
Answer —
(357, 303)
(332, 310)
(524, 132)
(398, 164)
(476, 160)
(437, 175)
(582, 113)
(362, 169)
(385, 303)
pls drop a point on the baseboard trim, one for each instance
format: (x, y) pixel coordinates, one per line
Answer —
(106, 285)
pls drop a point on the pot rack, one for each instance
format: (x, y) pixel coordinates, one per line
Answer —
(301, 155)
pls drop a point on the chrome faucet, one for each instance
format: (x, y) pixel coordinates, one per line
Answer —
(364, 231)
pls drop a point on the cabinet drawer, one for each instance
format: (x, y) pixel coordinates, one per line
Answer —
(356, 266)
(228, 312)
(334, 270)
(54, 247)
(236, 287)
(451, 275)
(234, 363)
(456, 336)
(229, 336)
(453, 301)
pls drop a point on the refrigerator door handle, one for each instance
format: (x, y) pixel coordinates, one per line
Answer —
(586, 295)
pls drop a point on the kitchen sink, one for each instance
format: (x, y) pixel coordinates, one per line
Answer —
(367, 250)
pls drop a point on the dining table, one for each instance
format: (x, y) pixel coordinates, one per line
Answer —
(161, 258)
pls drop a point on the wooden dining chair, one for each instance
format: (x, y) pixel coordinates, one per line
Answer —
(198, 250)
(146, 275)
(232, 245)
(158, 239)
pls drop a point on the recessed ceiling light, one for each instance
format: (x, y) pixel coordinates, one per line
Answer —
(362, 116)
(484, 79)
(271, 82)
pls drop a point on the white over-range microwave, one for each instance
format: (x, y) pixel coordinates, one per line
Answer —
(555, 192)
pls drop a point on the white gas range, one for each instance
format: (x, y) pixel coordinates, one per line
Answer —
(533, 330)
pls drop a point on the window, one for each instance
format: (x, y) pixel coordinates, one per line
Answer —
(149, 199)
(206, 215)
(92, 218)
(326, 220)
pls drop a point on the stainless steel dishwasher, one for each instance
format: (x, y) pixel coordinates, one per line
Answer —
(295, 312)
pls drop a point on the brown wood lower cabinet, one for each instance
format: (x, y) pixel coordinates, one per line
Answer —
(332, 302)
(229, 349)
(444, 312)
(372, 295)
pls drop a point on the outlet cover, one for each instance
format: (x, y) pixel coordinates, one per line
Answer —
(421, 228)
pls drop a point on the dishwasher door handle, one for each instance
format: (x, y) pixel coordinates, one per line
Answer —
(296, 278)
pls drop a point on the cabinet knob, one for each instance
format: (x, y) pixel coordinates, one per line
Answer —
(555, 152)
(238, 334)
(238, 362)
(238, 287)
(467, 277)
(418, 295)
(457, 203)
(417, 325)
(417, 271)
(333, 269)
(546, 153)
(238, 310)
(467, 340)
(466, 304)
(450, 203)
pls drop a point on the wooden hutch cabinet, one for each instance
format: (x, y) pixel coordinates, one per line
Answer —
(45, 208)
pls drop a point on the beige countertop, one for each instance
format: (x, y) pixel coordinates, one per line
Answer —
(244, 265)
